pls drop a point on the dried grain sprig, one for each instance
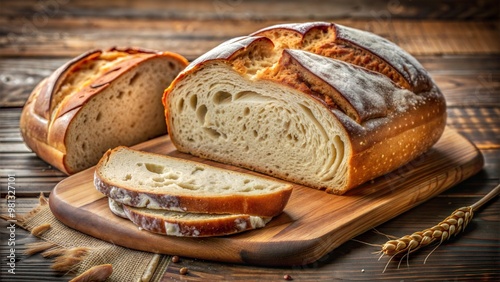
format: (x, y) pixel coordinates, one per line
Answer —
(95, 274)
(451, 226)
(37, 247)
(40, 229)
(69, 259)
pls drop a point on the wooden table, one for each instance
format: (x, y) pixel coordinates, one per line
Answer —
(458, 42)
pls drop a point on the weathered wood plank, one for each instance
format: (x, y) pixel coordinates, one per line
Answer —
(19, 37)
(27, 268)
(231, 9)
(482, 125)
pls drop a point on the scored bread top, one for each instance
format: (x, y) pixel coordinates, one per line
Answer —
(354, 46)
(153, 181)
(85, 75)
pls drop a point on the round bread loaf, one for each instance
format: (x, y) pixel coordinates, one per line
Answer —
(320, 104)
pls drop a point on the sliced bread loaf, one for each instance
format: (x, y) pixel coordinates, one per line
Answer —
(319, 104)
(187, 224)
(97, 101)
(154, 181)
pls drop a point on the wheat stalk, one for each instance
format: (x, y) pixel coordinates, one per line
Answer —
(451, 226)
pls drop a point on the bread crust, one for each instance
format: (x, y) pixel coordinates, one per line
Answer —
(208, 226)
(44, 127)
(265, 205)
(379, 142)
(401, 67)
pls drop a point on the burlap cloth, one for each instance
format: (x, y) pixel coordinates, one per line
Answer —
(128, 265)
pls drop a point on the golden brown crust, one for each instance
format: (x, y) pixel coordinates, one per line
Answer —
(34, 130)
(383, 136)
(46, 117)
(387, 144)
(44, 104)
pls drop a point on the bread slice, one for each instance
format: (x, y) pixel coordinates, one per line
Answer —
(116, 208)
(187, 224)
(97, 101)
(154, 181)
(319, 104)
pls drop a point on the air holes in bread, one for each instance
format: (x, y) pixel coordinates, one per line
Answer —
(222, 97)
(133, 78)
(201, 112)
(259, 187)
(193, 102)
(188, 186)
(127, 177)
(172, 176)
(98, 117)
(180, 106)
(155, 168)
(212, 132)
(158, 179)
(197, 169)
(245, 95)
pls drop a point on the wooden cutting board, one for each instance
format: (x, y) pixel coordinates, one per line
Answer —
(312, 224)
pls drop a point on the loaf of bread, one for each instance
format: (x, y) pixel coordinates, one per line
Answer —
(183, 224)
(320, 104)
(154, 181)
(98, 100)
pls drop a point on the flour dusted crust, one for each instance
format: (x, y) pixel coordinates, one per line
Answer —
(183, 224)
(96, 101)
(320, 104)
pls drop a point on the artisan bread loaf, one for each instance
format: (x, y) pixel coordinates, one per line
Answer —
(184, 224)
(97, 101)
(153, 181)
(320, 104)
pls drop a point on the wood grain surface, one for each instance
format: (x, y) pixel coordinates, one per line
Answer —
(312, 224)
(458, 42)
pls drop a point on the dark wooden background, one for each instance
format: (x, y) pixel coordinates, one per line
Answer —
(457, 41)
